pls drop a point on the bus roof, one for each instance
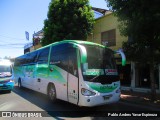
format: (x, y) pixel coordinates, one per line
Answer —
(67, 41)
(73, 41)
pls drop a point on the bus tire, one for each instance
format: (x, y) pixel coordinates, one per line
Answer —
(19, 83)
(52, 92)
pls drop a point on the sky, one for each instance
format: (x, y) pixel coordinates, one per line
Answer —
(18, 16)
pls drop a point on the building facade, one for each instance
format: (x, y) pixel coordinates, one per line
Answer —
(36, 42)
(133, 76)
(28, 48)
(37, 36)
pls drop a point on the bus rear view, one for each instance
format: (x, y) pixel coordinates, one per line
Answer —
(6, 76)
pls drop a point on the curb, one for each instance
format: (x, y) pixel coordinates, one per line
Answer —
(142, 104)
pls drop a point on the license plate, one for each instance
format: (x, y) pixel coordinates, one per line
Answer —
(106, 97)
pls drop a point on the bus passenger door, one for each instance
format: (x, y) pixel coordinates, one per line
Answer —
(73, 77)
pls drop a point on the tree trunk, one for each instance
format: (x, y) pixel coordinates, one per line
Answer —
(153, 88)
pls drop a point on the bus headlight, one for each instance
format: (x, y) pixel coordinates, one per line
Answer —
(86, 92)
(10, 80)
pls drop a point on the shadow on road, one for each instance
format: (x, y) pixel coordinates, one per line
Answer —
(5, 92)
(63, 110)
(59, 108)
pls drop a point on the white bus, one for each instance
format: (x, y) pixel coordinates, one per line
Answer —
(82, 73)
(6, 75)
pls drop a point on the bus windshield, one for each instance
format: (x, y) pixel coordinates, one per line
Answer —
(100, 62)
(5, 71)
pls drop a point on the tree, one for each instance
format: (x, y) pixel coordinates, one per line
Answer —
(7, 57)
(68, 19)
(140, 21)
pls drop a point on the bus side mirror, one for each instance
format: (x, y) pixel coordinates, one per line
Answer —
(85, 66)
(120, 51)
(83, 53)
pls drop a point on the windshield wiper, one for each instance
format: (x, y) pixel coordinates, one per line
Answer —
(91, 80)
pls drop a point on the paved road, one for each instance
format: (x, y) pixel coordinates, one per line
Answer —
(28, 100)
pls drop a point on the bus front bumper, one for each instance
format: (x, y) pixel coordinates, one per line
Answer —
(7, 86)
(100, 99)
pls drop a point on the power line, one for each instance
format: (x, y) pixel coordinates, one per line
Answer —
(10, 47)
(14, 44)
(10, 42)
(11, 37)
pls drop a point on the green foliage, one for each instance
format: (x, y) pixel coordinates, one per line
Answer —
(140, 20)
(68, 19)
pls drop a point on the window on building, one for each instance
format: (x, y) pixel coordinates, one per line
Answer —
(109, 37)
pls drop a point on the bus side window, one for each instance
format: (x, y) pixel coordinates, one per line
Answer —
(59, 56)
(72, 65)
(32, 57)
(23, 60)
(60, 59)
(43, 55)
(65, 58)
(17, 62)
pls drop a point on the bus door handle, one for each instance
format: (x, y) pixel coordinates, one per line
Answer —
(39, 80)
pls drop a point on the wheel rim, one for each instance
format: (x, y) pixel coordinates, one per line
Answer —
(52, 92)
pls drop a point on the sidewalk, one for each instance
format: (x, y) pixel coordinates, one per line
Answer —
(140, 98)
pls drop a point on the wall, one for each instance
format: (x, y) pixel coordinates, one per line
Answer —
(105, 23)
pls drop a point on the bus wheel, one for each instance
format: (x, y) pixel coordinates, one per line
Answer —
(52, 92)
(19, 83)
